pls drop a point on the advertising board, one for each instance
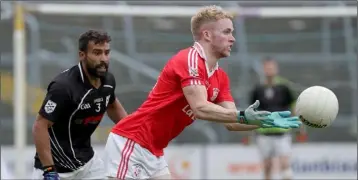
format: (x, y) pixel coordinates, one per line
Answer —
(309, 161)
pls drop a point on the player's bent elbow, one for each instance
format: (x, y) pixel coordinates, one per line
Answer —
(240, 127)
(199, 111)
(199, 115)
(230, 127)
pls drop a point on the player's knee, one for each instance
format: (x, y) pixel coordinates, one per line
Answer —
(287, 173)
(285, 162)
(268, 163)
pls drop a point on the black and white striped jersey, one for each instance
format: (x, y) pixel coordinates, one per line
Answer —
(76, 108)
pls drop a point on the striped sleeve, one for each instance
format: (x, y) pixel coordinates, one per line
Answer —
(189, 69)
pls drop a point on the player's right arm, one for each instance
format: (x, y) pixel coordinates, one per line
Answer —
(51, 111)
(196, 95)
(42, 140)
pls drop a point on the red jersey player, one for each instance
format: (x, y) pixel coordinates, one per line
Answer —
(190, 86)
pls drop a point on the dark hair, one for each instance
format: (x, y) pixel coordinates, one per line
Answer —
(92, 35)
(268, 59)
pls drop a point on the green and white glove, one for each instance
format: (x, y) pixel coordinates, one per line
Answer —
(253, 117)
(265, 119)
(283, 119)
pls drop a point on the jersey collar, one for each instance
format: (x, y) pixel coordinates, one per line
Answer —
(199, 48)
(81, 72)
(84, 78)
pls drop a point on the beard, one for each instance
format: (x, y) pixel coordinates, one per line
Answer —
(220, 52)
(223, 54)
(97, 71)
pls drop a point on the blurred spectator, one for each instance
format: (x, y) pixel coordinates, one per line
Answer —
(274, 95)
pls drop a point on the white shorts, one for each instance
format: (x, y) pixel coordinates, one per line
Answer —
(5, 172)
(125, 159)
(93, 169)
(274, 146)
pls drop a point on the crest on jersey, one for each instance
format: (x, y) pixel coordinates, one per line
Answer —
(215, 94)
(50, 106)
(107, 99)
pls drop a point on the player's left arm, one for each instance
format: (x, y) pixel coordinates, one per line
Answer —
(115, 110)
(226, 100)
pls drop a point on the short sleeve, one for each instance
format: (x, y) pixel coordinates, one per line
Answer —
(113, 83)
(112, 98)
(189, 69)
(55, 102)
(225, 92)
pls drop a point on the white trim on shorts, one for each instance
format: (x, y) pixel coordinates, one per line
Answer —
(124, 163)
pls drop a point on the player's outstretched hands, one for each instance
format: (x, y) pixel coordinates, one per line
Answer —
(265, 119)
(253, 117)
(50, 173)
(283, 119)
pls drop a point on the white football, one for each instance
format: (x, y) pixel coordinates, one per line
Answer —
(317, 107)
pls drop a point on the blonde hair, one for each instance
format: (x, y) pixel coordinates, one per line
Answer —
(205, 15)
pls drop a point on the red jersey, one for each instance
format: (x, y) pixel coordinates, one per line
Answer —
(166, 112)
